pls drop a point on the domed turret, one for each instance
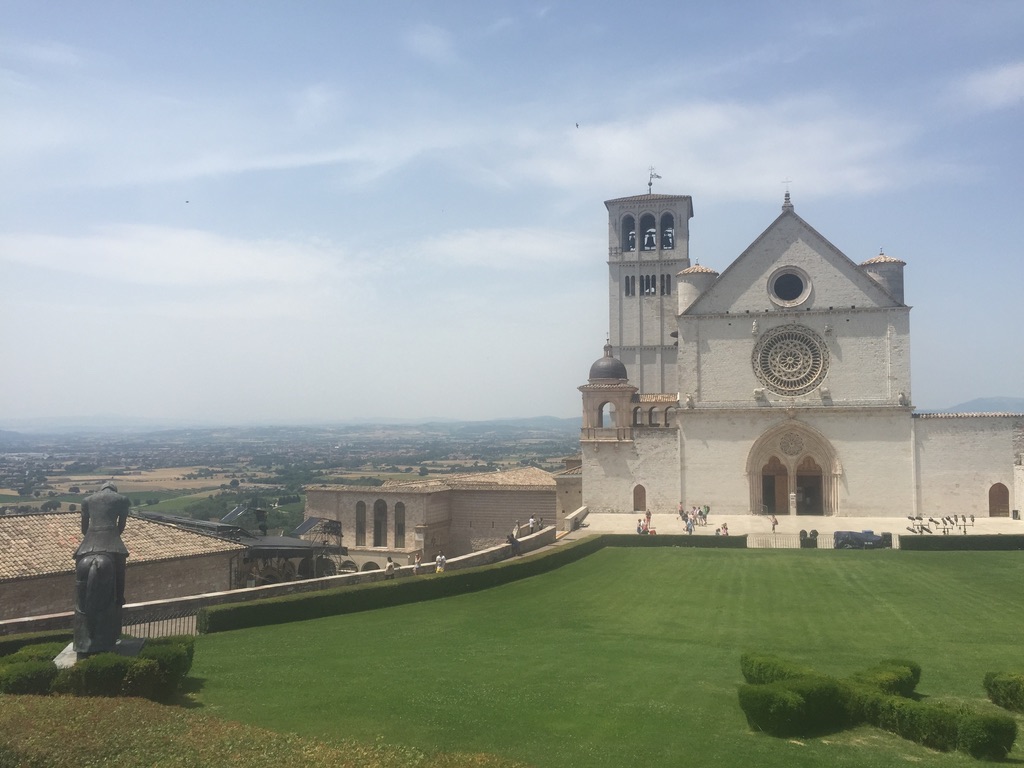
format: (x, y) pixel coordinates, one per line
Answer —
(887, 272)
(608, 368)
(691, 283)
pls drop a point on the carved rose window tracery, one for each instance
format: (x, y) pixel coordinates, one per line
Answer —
(790, 360)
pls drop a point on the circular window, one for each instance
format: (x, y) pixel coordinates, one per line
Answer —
(790, 360)
(789, 286)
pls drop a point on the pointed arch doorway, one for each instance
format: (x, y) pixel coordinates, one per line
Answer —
(793, 469)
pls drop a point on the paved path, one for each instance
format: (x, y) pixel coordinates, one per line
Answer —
(740, 524)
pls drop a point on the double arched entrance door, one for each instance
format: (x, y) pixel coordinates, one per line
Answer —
(793, 469)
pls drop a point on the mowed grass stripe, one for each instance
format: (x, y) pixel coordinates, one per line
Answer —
(630, 657)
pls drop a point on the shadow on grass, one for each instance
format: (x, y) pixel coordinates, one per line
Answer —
(190, 686)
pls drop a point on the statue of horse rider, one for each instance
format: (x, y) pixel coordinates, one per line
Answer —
(100, 562)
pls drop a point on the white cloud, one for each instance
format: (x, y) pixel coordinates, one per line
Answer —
(991, 89)
(509, 249)
(731, 150)
(431, 43)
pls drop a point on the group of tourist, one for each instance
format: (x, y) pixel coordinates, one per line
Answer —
(643, 524)
(697, 516)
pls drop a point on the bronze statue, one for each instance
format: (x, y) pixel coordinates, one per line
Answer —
(100, 563)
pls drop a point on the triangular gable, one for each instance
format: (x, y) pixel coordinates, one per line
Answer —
(790, 241)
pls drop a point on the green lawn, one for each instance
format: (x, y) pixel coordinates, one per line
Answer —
(629, 657)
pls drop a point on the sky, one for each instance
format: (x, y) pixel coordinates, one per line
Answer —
(303, 211)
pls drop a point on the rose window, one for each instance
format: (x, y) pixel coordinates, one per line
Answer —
(790, 360)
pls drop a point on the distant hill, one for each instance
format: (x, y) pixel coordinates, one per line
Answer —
(988, 405)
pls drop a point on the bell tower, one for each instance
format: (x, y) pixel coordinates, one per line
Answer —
(648, 245)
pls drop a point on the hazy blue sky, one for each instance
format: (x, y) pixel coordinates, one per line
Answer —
(304, 211)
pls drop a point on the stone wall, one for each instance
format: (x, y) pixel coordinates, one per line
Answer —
(143, 582)
(483, 519)
(612, 469)
(959, 459)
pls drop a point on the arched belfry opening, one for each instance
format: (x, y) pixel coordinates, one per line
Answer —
(648, 232)
(628, 233)
(668, 232)
(793, 469)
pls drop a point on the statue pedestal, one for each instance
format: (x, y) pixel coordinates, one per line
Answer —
(126, 646)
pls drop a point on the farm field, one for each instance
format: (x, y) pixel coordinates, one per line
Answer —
(629, 657)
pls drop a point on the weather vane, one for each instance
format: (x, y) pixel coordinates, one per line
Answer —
(651, 178)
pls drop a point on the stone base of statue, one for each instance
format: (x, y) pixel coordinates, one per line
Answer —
(126, 646)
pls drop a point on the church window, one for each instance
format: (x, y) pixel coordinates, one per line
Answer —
(629, 234)
(789, 287)
(399, 524)
(668, 232)
(650, 232)
(666, 285)
(380, 523)
(648, 285)
(360, 523)
(606, 415)
(629, 285)
(790, 360)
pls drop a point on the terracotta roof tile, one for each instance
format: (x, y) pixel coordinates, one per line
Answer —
(527, 477)
(44, 544)
(882, 259)
(698, 269)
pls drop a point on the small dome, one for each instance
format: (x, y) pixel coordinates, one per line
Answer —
(881, 258)
(698, 269)
(608, 367)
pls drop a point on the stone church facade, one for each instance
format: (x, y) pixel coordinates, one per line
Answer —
(781, 385)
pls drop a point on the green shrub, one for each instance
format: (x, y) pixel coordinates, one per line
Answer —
(893, 676)
(986, 736)
(382, 594)
(173, 661)
(27, 677)
(808, 705)
(40, 652)
(1006, 690)
(760, 668)
(143, 678)
(773, 708)
(976, 542)
(11, 643)
(798, 706)
(99, 675)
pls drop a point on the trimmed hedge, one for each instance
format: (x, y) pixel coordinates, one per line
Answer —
(384, 594)
(172, 658)
(156, 673)
(27, 677)
(762, 668)
(894, 676)
(974, 542)
(677, 540)
(100, 675)
(11, 643)
(1006, 689)
(810, 705)
(40, 652)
